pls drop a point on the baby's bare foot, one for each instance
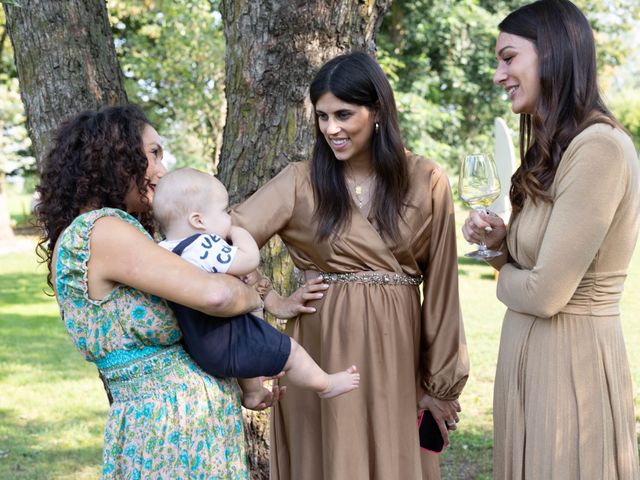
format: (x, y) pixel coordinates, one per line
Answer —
(342, 382)
(255, 399)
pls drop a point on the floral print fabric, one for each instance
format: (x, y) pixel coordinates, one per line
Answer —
(169, 419)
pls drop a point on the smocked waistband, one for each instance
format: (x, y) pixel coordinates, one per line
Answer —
(146, 371)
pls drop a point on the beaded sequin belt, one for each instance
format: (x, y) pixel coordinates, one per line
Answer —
(377, 278)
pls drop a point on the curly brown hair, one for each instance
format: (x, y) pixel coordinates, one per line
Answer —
(92, 160)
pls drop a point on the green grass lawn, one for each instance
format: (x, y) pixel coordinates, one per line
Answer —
(53, 407)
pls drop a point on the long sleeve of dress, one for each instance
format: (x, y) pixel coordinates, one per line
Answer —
(590, 182)
(444, 358)
(269, 209)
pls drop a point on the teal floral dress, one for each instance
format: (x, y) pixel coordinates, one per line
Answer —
(168, 419)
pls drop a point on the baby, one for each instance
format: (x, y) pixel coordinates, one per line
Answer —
(191, 208)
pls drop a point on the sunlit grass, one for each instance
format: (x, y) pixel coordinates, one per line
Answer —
(52, 406)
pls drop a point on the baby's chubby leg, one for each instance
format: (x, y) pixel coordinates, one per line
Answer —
(302, 371)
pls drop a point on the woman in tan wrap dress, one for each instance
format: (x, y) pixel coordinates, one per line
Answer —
(387, 218)
(563, 400)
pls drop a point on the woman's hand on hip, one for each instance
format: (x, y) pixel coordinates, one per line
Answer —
(484, 225)
(297, 302)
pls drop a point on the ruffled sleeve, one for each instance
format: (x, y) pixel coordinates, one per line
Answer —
(74, 253)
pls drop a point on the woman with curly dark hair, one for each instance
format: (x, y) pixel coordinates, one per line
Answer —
(563, 400)
(168, 419)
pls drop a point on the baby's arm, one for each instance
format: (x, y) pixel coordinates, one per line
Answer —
(247, 257)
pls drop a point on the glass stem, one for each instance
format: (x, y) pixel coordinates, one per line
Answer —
(482, 247)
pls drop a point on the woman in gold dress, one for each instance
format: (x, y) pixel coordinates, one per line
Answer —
(373, 222)
(563, 400)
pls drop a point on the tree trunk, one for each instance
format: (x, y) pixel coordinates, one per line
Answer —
(273, 49)
(66, 62)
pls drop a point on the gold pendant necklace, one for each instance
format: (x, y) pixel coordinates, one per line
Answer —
(359, 191)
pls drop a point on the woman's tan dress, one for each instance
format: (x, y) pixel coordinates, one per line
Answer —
(370, 433)
(563, 401)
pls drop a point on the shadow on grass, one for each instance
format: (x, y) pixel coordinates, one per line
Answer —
(25, 456)
(22, 289)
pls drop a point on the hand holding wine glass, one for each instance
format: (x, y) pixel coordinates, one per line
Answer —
(479, 186)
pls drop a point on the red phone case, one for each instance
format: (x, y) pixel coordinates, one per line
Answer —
(429, 433)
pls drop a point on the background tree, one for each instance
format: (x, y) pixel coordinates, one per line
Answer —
(172, 56)
(64, 65)
(440, 57)
(273, 48)
(65, 60)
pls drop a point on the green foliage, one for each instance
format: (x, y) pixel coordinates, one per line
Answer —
(16, 155)
(439, 55)
(172, 56)
(15, 145)
(626, 107)
(19, 206)
(7, 67)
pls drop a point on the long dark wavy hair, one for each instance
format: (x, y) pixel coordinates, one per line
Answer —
(357, 78)
(92, 160)
(569, 99)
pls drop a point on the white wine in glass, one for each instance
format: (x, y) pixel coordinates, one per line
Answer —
(479, 186)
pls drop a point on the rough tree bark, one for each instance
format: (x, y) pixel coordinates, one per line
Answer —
(273, 49)
(66, 62)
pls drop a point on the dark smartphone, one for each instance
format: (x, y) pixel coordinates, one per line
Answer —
(429, 433)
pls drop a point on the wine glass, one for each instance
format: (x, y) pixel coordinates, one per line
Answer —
(479, 186)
